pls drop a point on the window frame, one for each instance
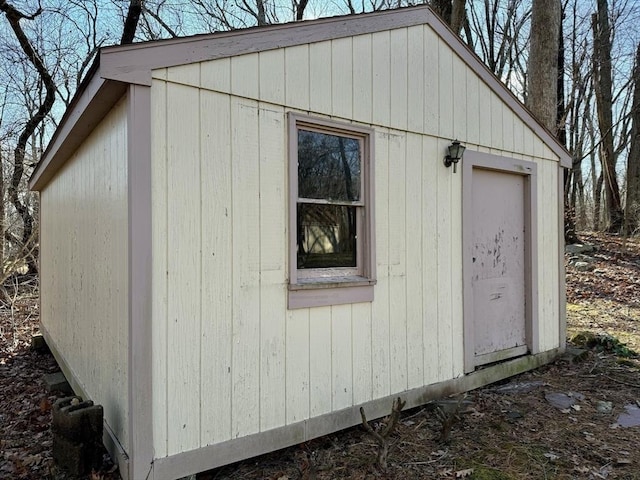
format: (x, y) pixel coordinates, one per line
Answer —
(338, 285)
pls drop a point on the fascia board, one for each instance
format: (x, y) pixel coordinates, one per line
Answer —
(134, 63)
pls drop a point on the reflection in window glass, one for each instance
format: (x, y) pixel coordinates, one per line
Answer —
(326, 236)
(328, 166)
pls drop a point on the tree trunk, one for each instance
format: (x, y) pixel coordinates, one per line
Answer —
(602, 79)
(14, 17)
(299, 9)
(597, 202)
(570, 234)
(131, 22)
(2, 215)
(543, 62)
(632, 207)
(452, 12)
(458, 15)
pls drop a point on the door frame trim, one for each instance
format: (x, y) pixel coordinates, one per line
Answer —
(529, 171)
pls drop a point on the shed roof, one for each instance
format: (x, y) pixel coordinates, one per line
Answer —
(117, 67)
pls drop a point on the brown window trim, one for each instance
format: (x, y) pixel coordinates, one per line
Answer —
(311, 291)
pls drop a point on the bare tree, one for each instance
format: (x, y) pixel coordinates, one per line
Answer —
(543, 62)
(452, 12)
(499, 35)
(131, 21)
(578, 113)
(14, 16)
(602, 78)
(632, 204)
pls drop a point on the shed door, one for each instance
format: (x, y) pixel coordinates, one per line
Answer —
(498, 249)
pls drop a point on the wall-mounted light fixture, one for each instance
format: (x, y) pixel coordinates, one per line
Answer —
(455, 154)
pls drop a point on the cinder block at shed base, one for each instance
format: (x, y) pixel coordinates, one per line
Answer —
(77, 435)
(56, 382)
(39, 345)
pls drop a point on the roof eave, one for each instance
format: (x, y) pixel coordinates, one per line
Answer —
(94, 98)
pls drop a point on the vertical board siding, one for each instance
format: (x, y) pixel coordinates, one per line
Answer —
(342, 77)
(84, 266)
(183, 267)
(244, 75)
(320, 86)
(220, 233)
(380, 321)
(271, 66)
(497, 131)
(459, 104)
(298, 365)
(445, 92)
(429, 226)
(159, 285)
(416, 91)
(472, 108)
(217, 268)
(430, 52)
(341, 358)
(381, 81)
(508, 120)
(361, 350)
(216, 75)
(362, 78)
(273, 218)
(399, 79)
(397, 262)
(245, 214)
(297, 77)
(485, 127)
(443, 197)
(320, 365)
(413, 261)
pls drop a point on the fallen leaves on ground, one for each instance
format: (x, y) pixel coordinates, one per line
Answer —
(25, 404)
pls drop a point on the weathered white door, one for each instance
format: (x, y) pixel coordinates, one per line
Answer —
(497, 264)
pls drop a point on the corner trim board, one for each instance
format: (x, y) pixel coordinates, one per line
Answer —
(140, 263)
(562, 278)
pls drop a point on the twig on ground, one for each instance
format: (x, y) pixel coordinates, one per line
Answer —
(635, 385)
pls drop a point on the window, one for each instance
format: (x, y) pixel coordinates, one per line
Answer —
(331, 257)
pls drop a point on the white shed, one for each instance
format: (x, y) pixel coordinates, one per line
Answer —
(246, 236)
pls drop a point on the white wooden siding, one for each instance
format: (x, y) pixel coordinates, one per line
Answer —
(220, 235)
(84, 294)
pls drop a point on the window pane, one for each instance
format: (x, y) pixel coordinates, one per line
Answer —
(328, 166)
(326, 236)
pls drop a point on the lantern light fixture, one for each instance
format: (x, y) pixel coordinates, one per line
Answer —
(454, 155)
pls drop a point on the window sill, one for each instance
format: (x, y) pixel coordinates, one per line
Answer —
(321, 292)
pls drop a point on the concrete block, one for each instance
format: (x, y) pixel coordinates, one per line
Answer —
(77, 435)
(56, 382)
(39, 345)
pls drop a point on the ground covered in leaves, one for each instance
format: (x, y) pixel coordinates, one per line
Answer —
(562, 421)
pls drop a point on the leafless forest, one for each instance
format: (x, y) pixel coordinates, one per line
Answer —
(574, 63)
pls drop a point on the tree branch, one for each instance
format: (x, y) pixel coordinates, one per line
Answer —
(381, 437)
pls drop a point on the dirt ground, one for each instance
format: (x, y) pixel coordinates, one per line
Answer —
(510, 430)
